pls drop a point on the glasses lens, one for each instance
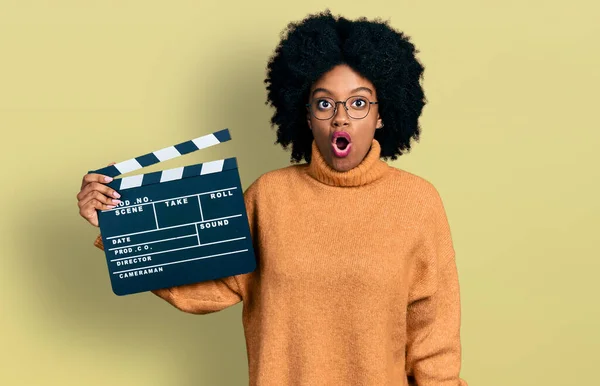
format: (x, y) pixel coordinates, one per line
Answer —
(323, 108)
(358, 107)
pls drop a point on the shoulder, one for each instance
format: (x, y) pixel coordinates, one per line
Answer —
(415, 187)
(274, 179)
(282, 174)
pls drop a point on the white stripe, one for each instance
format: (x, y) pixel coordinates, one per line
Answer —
(128, 166)
(182, 261)
(174, 250)
(152, 242)
(172, 227)
(206, 141)
(171, 174)
(131, 182)
(166, 153)
(212, 167)
(169, 199)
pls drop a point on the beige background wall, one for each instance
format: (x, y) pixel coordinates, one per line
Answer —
(509, 139)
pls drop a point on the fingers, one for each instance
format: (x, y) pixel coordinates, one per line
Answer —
(94, 177)
(108, 202)
(99, 187)
(96, 202)
(91, 177)
(95, 195)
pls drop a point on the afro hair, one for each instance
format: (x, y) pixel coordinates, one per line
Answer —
(376, 51)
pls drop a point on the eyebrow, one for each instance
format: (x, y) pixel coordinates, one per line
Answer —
(352, 92)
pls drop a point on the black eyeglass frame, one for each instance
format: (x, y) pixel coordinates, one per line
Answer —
(336, 106)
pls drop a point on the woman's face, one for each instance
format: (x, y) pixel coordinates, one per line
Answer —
(345, 152)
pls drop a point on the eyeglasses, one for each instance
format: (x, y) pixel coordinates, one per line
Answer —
(356, 106)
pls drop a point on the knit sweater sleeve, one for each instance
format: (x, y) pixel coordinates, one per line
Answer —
(212, 295)
(433, 353)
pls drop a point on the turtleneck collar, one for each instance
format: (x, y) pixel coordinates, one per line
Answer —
(370, 169)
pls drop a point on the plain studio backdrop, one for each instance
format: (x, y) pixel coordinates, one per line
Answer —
(510, 139)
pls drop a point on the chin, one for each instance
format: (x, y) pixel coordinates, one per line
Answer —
(341, 165)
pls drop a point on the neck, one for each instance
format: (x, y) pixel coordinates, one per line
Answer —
(370, 169)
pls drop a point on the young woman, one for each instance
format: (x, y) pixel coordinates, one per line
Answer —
(356, 281)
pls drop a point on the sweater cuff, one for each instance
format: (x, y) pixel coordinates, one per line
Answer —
(98, 242)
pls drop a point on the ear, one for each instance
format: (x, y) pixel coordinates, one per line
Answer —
(379, 124)
(308, 121)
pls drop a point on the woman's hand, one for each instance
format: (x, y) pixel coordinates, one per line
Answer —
(94, 194)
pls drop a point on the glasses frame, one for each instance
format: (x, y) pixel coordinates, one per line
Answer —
(343, 103)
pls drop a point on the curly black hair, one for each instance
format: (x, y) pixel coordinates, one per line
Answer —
(376, 51)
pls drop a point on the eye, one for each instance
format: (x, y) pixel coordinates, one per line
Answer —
(323, 104)
(359, 103)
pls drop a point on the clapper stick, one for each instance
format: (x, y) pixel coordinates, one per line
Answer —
(165, 154)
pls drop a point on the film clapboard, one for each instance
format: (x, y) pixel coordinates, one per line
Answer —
(177, 226)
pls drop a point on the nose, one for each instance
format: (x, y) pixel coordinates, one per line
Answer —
(340, 118)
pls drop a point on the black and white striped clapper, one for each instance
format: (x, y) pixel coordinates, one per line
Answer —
(176, 226)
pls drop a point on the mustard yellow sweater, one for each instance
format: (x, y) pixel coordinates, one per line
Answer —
(356, 281)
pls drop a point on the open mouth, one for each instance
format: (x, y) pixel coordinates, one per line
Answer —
(341, 144)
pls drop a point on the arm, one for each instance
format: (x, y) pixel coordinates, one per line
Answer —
(433, 356)
(213, 295)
